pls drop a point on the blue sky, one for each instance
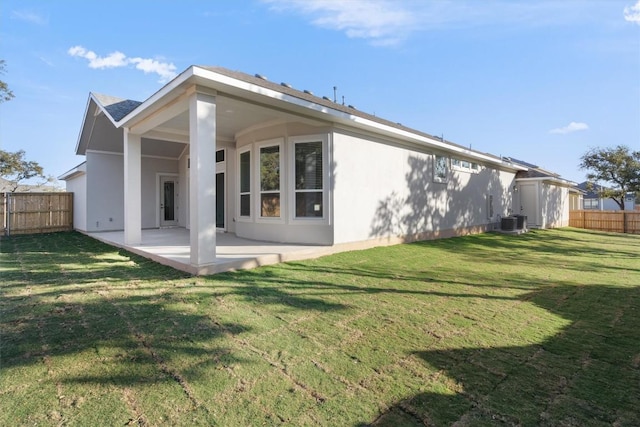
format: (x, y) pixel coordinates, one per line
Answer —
(540, 81)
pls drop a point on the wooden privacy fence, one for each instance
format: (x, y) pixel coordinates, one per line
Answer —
(615, 221)
(30, 213)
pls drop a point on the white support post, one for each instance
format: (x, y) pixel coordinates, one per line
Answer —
(132, 189)
(202, 176)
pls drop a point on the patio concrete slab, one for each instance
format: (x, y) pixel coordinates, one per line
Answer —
(170, 246)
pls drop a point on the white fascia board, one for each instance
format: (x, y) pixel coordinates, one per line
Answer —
(103, 109)
(558, 181)
(348, 119)
(84, 120)
(240, 88)
(81, 169)
(133, 116)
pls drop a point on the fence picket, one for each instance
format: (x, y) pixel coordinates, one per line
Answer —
(30, 213)
(613, 221)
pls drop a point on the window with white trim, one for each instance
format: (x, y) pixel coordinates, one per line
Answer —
(464, 165)
(440, 169)
(245, 183)
(270, 181)
(591, 203)
(309, 179)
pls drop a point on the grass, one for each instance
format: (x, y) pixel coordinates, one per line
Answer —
(538, 329)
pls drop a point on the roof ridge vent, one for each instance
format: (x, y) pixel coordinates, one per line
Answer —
(286, 85)
(351, 106)
(308, 92)
(260, 76)
(327, 98)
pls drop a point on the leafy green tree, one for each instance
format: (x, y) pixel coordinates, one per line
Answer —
(617, 166)
(5, 93)
(15, 169)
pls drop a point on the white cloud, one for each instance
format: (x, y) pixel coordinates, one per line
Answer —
(382, 22)
(632, 13)
(29, 16)
(390, 22)
(117, 59)
(570, 128)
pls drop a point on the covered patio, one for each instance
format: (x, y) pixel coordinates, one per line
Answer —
(170, 246)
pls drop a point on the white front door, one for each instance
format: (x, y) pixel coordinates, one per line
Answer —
(168, 201)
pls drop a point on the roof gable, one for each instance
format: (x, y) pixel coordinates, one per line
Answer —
(115, 107)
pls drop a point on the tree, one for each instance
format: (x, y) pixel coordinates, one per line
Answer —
(15, 169)
(5, 93)
(617, 166)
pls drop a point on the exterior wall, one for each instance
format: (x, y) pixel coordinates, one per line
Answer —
(151, 168)
(554, 205)
(286, 228)
(230, 186)
(105, 192)
(545, 204)
(386, 192)
(78, 186)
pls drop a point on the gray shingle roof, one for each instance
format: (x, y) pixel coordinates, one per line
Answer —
(307, 96)
(116, 107)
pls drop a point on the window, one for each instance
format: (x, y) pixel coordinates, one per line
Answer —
(270, 181)
(489, 206)
(591, 204)
(245, 183)
(440, 169)
(308, 173)
(464, 165)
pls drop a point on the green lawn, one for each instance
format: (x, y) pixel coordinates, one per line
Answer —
(538, 329)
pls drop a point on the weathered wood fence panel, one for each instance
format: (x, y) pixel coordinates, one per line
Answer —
(614, 221)
(30, 213)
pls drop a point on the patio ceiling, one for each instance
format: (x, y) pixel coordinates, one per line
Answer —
(170, 138)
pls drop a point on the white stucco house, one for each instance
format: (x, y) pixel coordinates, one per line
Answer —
(219, 150)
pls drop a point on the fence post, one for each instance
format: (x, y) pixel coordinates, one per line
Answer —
(8, 210)
(624, 221)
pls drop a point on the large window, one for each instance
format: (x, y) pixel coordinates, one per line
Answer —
(270, 181)
(245, 184)
(308, 180)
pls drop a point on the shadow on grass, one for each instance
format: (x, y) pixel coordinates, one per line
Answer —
(588, 374)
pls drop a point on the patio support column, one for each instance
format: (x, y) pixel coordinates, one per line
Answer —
(202, 176)
(132, 189)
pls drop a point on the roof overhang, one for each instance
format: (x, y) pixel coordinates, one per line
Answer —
(550, 180)
(172, 99)
(77, 171)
